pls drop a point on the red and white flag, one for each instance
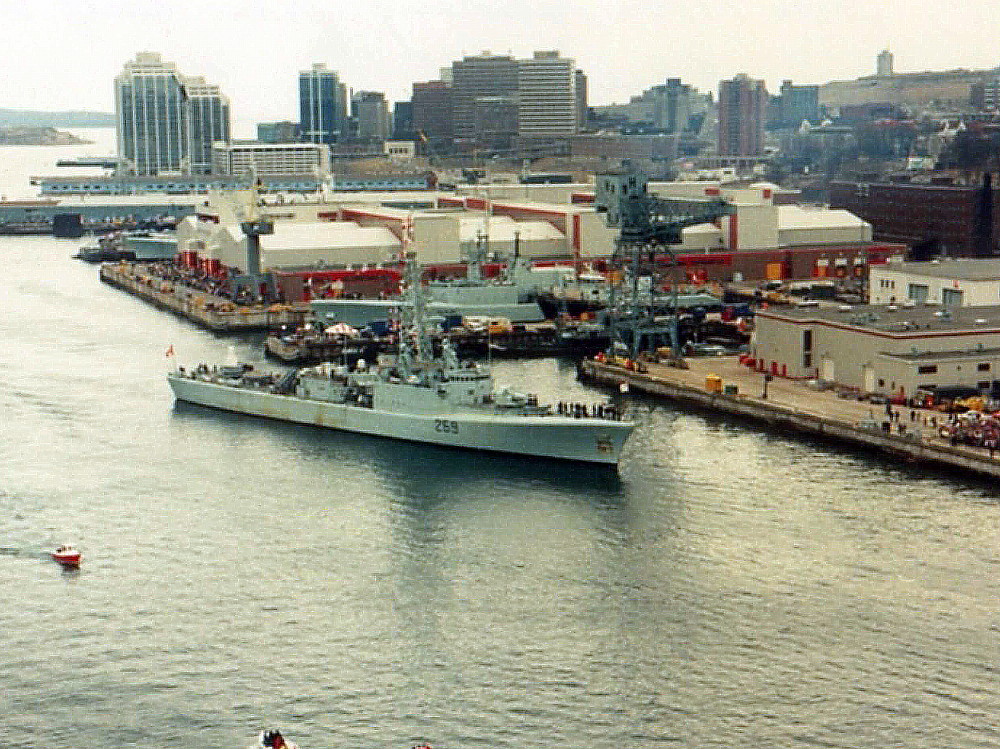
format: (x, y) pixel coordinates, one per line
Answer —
(170, 350)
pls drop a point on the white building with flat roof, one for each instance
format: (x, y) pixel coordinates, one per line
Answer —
(951, 283)
(890, 350)
(271, 159)
(294, 244)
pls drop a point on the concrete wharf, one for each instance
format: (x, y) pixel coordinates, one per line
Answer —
(210, 311)
(71, 216)
(793, 407)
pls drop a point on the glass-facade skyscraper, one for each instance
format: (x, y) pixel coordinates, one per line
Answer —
(322, 105)
(152, 123)
(207, 122)
(166, 122)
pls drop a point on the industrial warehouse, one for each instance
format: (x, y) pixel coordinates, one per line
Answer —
(888, 350)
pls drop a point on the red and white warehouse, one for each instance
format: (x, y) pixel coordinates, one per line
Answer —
(765, 239)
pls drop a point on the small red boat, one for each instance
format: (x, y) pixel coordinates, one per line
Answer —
(67, 556)
(273, 739)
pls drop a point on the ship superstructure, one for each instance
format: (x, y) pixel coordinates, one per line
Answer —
(419, 395)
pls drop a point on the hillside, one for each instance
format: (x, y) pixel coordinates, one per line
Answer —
(31, 118)
(37, 136)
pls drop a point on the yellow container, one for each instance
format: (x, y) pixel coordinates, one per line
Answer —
(713, 383)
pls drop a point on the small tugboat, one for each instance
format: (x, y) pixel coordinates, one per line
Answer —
(68, 556)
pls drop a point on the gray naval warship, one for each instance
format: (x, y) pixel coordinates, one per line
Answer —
(417, 394)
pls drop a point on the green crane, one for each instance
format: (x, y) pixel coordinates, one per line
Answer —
(648, 226)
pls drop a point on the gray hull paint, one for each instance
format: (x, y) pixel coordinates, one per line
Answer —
(588, 440)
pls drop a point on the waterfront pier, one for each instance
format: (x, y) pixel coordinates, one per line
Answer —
(216, 313)
(723, 386)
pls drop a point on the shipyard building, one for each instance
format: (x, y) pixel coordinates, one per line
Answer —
(764, 239)
(891, 351)
(947, 219)
(950, 283)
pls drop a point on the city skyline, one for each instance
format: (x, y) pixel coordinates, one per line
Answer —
(623, 47)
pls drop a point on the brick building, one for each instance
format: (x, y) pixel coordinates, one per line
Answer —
(957, 221)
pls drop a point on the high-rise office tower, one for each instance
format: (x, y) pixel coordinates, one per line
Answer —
(371, 113)
(797, 103)
(167, 122)
(322, 105)
(151, 117)
(742, 108)
(207, 122)
(546, 95)
(432, 112)
(484, 76)
(278, 132)
(402, 120)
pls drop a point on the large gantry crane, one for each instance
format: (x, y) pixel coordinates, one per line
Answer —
(648, 226)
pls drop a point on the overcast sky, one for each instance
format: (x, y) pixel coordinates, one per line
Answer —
(64, 54)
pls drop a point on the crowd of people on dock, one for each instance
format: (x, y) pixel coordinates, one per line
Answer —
(973, 428)
(177, 274)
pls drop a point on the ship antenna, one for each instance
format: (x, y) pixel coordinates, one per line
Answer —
(417, 303)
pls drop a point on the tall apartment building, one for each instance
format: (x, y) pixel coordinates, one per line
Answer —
(207, 122)
(151, 118)
(581, 100)
(475, 77)
(322, 105)
(371, 115)
(742, 107)
(546, 95)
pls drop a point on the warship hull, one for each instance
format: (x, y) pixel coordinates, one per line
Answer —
(588, 440)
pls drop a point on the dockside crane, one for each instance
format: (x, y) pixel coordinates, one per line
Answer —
(254, 225)
(649, 227)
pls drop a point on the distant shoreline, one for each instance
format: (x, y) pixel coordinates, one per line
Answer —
(38, 136)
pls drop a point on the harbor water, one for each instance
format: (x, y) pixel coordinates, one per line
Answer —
(727, 587)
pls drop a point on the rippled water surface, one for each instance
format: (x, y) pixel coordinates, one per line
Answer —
(728, 587)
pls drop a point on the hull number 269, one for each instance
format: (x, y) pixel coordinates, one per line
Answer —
(443, 425)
